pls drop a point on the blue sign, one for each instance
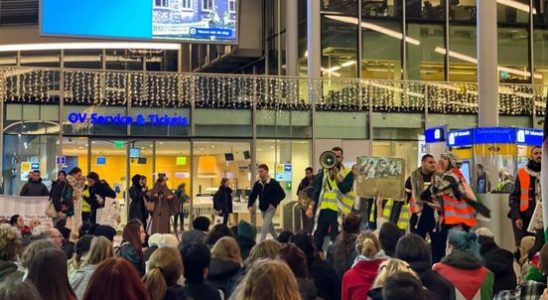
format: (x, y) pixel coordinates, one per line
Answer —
(35, 166)
(494, 135)
(61, 160)
(434, 135)
(530, 137)
(211, 32)
(134, 153)
(283, 172)
(460, 138)
(101, 160)
(124, 120)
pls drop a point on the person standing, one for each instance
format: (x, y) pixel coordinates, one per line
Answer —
(162, 197)
(525, 195)
(332, 196)
(270, 194)
(182, 198)
(137, 193)
(483, 183)
(422, 220)
(222, 200)
(61, 197)
(451, 190)
(304, 192)
(34, 186)
(78, 184)
(98, 191)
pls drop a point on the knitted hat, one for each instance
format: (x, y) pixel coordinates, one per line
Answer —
(451, 157)
(106, 231)
(247, 230)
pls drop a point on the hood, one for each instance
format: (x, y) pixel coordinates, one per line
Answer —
(222, 268)
(244, 242)
(6, 268)
(368, 268)
(462, 260)
(247, 231)
(135, 180)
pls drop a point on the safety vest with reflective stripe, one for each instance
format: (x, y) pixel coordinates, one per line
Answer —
(346, 200)
(458, 212)
(403, 218)
(86, 207)
(332, 198)
(524, 186)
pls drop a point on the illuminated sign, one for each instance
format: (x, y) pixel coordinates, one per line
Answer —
(434, 135)
(124, 120)
(495, 135)
(460, 138)
(531, 137)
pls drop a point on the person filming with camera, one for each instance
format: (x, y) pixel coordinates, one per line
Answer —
(332, 195)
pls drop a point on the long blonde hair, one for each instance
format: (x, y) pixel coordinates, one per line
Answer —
(227, 248)
(165, 267)
(368, 244)
(389, 267)
(265, 249)
(101, 249)
(268, 279)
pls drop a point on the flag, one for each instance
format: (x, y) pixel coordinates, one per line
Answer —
(544, 173)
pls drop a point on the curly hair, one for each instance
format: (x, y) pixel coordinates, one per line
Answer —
(10, 242)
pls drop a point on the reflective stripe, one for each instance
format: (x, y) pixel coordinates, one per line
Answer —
(458, 212)
(372, 213)
(524, 185)
(387, 211)
(403, 219)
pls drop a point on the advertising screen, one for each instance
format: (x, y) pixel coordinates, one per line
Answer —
(211, 21)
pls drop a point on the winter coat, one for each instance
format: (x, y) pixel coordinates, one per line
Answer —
(222, 200)
(34, 189)
(175, 292)
(307, 289)
(132, 255)
(269, 193)
(100, 189)
(357, 281)
(193, 236)
(433, 281)
(201, 290)
(61, 197)
(325, 279)
(221, 271)
(8, 270)
(470, 278)
(137, 209)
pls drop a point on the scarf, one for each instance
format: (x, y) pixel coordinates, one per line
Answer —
(417, 187)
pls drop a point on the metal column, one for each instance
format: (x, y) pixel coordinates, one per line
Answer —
(292, 37)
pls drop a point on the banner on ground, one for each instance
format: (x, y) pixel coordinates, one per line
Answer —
(28, 207)
(381, 174)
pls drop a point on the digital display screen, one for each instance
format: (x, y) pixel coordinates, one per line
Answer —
(211, 21)
(465, 169)
(134, 153)
(434, 135)
(101, 160)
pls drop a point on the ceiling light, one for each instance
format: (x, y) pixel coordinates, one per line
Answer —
(516, 5)
(348, 63)
(375, 27)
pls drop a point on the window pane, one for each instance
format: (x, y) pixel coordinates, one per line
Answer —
(381, 50)
(423, 62)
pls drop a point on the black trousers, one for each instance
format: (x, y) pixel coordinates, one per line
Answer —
(520, 233)
(424, 224)
(178, 216)
(226, 215)
(327, 224)
(307, 223)
(89, 217)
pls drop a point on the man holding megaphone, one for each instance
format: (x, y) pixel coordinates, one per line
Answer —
(332, 195)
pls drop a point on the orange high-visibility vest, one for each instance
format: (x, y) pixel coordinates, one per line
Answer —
(525, 186)
(458, 212)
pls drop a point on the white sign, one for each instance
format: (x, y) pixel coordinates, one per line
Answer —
(110, 214)
(28, 207)
(536, 219)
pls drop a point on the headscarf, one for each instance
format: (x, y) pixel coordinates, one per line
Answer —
(136, 180)
(452, 158)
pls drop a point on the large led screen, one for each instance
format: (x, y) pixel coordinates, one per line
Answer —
(175, 20)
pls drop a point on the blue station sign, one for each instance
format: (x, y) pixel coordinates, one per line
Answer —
(124, 120)
(435, 135)
(494, 135)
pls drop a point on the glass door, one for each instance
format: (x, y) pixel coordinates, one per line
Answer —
(109, 160)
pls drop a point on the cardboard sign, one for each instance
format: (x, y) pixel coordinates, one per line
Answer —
(536, 219)
(380, 174)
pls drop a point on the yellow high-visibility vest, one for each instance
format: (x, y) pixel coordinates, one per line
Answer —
(403, 218)
(332, 198)
(85, 206)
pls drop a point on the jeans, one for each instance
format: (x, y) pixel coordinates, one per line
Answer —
(268, 225)
(327, 223)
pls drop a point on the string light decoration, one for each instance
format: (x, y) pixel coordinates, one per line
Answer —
(275, 95)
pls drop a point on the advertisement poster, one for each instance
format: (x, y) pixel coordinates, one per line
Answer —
(381, 174)
(194, 20)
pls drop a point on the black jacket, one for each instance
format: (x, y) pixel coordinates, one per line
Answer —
(269, 193)
(61, 196)
(433, 281)
(222, 200)
(201, 290)
(34, 189)
(220, 272)
(137, 208)
(515, 197)
(246, 245)
(325, 279)
(175, 292)
(102, 189)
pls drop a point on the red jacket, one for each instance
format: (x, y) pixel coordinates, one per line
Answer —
(357, 281)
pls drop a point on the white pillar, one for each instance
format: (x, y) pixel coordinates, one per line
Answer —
(314, 38)
(488, 79)
(292, 37)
